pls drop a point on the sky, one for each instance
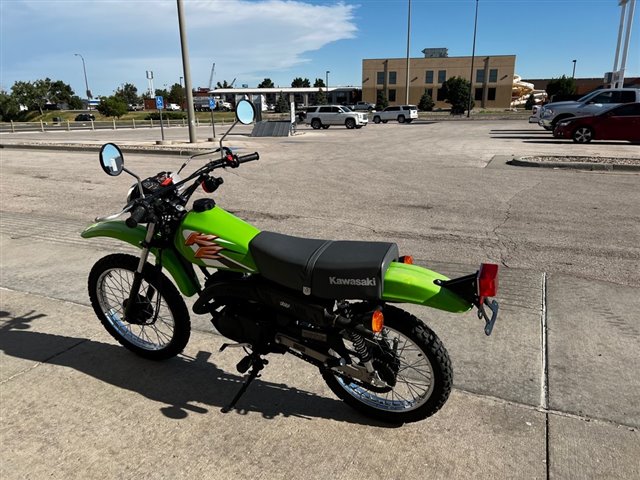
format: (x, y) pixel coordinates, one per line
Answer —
(250, 40)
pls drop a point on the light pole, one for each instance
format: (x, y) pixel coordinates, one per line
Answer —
(327, 84)
(86, 83)
(573, 75)
(408, 44)
(191, 116)
(473, 56)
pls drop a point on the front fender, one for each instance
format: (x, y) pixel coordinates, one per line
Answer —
(187, 284)
(404, 283)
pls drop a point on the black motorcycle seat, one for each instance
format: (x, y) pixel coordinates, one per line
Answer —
(332, 269)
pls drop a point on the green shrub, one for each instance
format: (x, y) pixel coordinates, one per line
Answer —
(426, 103)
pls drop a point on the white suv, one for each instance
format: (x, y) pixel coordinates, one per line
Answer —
(326, 115)
(401, 113)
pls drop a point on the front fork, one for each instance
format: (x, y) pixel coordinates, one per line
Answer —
(137, 276)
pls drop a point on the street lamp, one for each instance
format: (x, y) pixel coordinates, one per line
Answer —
(573, 75)
(473, 55)
(86, 83)
(327, 84)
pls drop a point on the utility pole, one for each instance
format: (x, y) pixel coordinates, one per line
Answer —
(406, 102)
(617, 75)
(573, 75)
(473, 56)
(187, 74)
(86, 83)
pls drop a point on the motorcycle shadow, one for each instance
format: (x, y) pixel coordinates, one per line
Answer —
(183, 384)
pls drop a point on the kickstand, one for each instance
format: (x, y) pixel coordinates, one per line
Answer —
(256, 363)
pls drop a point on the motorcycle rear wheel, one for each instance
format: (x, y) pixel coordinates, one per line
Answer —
(423, 381)
(164, 326)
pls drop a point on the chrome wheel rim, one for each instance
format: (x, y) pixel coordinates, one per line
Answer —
(113, 289)
(583, 135)
(414, 381)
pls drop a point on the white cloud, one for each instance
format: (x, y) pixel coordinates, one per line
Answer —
(122, 39)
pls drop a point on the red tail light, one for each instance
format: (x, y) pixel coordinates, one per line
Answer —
(488, 280)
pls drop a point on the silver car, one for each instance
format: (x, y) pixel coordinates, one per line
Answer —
(324, 116)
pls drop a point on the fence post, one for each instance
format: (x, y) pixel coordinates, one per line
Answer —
(134, 123)
(13, 128)
(168, 122)
(68, 126)
(41, 126)
(93, 126)
(151, 123)
(114, 123)
(183, 124)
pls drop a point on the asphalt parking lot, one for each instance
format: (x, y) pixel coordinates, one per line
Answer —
(552, 393)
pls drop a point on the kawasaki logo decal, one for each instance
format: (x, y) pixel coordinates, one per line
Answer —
(353, 282)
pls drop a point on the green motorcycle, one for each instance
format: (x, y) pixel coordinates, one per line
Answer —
(329, 303)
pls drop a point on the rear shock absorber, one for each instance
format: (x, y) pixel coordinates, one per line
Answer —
(362, 350)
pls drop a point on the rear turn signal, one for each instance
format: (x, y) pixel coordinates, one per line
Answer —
(377, 321)
(488, 280)
(408, 259)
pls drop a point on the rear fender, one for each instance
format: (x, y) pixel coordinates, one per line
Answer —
(405, 283)
(188, 284)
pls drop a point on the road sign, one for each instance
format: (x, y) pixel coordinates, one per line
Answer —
(159, 103)
(212, 104)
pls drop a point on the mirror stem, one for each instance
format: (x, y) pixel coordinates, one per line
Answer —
(137, 178)
(225, 136)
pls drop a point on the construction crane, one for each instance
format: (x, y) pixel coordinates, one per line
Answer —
(213, 69)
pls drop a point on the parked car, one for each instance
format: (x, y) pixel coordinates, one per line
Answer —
(535, 114)
(132, 107)
(172, 106)
(85, 117)
(401, 113)
(362, 106)
(618, 123)
(324, 116)
(591, 104)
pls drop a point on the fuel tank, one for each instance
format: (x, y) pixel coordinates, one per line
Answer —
(215, 238)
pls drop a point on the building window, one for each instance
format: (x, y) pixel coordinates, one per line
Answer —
(392, 78)
(478, 94)
(480, 75)
(380, 78)
(442, 76)
(493, 75)
(429, 92)
(441, 95)
(392, 94)
(429, 77)
(491, 94)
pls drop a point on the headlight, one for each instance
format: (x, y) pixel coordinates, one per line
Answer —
(547, 112)
(564, 123)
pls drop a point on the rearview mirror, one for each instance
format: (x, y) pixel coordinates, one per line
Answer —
(245, 112)
(111, 159)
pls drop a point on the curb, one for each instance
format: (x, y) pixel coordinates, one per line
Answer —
(602, 167)
(125, 149)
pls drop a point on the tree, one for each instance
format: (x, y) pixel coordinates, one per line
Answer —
(300, 82)
(31, 94)
(75, 103)
(561, 86)
(58, 91)
(321, 97)
(426, 102)
(319, 83)
(112, 106)
(224, 84)
(266, 83)
(9, 107)
(176, 94)
(282, 106)
(456, 92)
(129, 93)
(531, 101)
(381, 101)
(162, 92)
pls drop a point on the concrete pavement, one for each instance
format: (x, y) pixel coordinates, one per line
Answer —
(552, 393)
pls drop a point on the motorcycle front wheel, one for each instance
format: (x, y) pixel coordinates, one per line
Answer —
(423, 376)
(159, 326)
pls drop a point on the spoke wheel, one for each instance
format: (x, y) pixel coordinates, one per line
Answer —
(159, 326)
(419, 387)
(583, 135)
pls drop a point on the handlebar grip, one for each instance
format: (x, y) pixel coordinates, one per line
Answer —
(249, 158)
(136, 217)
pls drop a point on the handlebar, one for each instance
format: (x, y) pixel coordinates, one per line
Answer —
(136, 217)
(249, 158)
